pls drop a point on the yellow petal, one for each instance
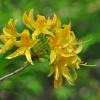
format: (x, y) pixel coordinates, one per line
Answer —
(35, 34)
(56, 72)
(58, 83)
(11, 29)
(51, 71)
(4, 38)
(52, 56)
(76, 61)
(18, 52)
(66, 74)
(31, 15)
(28, 56)
(25, 40)
(7, 46)
(6, 33)
(48, 33)
(31, 19)
(27, 18)
(77, 65)
(56, 21)
(41, 20)
(78, 49)
(55, 41)
(67, 54)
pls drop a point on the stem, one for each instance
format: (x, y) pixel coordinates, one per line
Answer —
(25, 65)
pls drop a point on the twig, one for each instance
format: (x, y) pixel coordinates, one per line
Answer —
(25, 65)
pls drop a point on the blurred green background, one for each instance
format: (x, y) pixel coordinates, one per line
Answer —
(33, 83)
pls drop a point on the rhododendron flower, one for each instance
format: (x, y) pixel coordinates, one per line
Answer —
(45, 36)
(40, 24)
(64, 49)
(25, 45)
(9, 36)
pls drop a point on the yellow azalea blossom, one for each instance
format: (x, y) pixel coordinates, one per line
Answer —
(70, 41)
(54, 23)
(64, 49)
(40, 24)
(59, 68)
(9, 36)
(54, 43)
(61, 41)
(25, 45)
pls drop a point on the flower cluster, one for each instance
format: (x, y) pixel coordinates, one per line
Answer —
(63, 44)
(64, 53)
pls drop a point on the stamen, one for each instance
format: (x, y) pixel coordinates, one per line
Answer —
(87, 65)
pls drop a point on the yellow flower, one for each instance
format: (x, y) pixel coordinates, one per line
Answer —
(9, 36)
(54, 23)
(63, 44)
(40, 24)
(54, 43)
(25, 44)
(59, 68)
(69, 40)
(64, 49)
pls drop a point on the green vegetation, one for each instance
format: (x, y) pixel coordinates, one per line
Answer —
(33, 82)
